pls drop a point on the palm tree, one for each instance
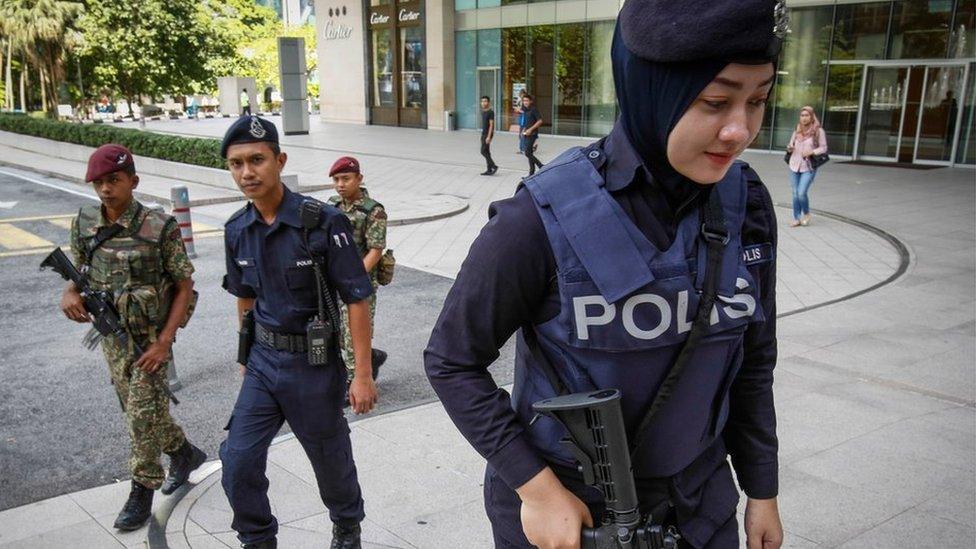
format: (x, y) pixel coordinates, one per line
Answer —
(40, 31)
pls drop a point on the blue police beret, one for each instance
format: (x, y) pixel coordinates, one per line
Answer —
(668, 31)
(249, 129)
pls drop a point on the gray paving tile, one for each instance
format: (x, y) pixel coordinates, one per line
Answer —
(374, 535)
(38, 518)
(828, 513)
(105, 499)
(907, 462)
(916, 529)
(462, 526)
(86, 534)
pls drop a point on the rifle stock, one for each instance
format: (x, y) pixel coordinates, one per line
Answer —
(598, 440)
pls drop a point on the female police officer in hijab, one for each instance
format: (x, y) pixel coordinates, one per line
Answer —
(644, 263)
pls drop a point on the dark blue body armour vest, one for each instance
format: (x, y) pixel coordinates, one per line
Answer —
(626, 310)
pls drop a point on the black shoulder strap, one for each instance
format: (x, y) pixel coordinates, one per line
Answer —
(104, 234)
(716, 236)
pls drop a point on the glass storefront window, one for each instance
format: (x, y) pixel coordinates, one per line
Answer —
(540, 70)
(412, 70)
(962, 41)
(570, 70)
(802, 69)
(920, 29)
(380, 2)
(514, 54)
(383, 68)
(840, 118)
(860, 30)
(465, 51)
(600, 103)
(460, 5)
(966, 151)
(490, 48)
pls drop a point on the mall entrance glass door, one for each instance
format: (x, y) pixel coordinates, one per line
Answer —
(883, 113)
(910, 114)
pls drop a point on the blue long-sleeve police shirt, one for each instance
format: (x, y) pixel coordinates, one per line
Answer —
(272, 264)
(509, 281)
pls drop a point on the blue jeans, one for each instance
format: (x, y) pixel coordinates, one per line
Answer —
(801, 181)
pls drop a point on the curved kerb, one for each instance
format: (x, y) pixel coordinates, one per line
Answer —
(159, 522)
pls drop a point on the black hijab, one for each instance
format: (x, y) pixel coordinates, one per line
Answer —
(652, 98)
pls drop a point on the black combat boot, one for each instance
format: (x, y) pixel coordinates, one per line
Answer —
(187, 458)
(346, 537)
(137, 509)
(378, 358)
(266, 544)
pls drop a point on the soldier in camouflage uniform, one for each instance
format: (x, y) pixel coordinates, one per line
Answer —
(138, 255)
(368, 219)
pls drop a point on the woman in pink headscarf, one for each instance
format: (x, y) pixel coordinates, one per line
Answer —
(809, 139)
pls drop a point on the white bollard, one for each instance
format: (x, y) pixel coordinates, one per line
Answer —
(180, 196)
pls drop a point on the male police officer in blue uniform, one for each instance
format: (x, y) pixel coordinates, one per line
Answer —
(276, 266)
(619, 262)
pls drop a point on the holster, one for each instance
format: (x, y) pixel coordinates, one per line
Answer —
(245, 337)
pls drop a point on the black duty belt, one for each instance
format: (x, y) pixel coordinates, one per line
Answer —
(293, 343)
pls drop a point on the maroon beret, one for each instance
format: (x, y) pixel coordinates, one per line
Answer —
(346, 164)
(108, 159)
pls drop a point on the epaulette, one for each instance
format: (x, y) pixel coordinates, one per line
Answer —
(237, 214)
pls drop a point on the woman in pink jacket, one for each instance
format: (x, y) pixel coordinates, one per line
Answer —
(808, 139)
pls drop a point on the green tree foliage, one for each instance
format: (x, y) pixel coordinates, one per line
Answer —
(147, 47)
(39, 32)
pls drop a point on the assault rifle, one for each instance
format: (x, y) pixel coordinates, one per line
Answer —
(106, 321)
(598, 441)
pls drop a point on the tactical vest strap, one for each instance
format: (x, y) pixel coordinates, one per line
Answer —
(105, 234)
(576, 202)
(716, 236)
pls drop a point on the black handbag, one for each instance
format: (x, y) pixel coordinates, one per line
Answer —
(787, 157)
(817, 160)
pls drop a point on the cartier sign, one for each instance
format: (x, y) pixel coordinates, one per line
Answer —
(408, 15)
(378, 19)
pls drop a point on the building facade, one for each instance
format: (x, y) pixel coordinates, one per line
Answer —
(892, 80)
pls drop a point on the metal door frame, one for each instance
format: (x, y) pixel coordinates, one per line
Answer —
(497, 70)
(957, 128)
(910, 64)
(862, 107)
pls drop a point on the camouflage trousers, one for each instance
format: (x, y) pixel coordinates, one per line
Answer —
(146, 409)
(347, 354)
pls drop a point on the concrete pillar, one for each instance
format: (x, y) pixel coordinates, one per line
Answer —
(440, 61)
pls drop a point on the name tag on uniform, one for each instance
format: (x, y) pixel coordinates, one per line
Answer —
(757, 254)
(303, 263)
(245, 262)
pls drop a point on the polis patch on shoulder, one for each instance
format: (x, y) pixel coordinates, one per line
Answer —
(756, 254)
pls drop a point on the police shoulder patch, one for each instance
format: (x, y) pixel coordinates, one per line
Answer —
(756, 254)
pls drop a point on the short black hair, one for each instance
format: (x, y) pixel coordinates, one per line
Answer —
(528, 96)
(129, 170)
(486, 98)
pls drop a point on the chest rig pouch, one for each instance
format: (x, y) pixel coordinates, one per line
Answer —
(323, 330)
(127, 263)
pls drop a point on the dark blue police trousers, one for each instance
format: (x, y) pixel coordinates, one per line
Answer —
(504, 507)
(280, 386)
